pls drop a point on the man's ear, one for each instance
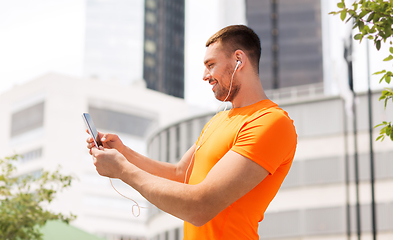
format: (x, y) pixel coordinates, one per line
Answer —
(240, 57)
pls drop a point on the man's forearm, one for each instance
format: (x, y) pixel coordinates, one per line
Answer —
(181, 200)
(161, 169)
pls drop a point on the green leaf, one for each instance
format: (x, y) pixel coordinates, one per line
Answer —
(381, 124)
(380, 72)
(373, 30)
(349, 19)
(361, 25)
(391, 49)
(340, 5)
(378, 44)
(376, 18)
(388, 79)
(388, 30)
(381, 136)
(388, 58)
(343, 15)
(363, 13)
(351, 12)
(334, 13)
(388, 131)
(382, 78)
(370, 17)
(388, 89)
(358, 36)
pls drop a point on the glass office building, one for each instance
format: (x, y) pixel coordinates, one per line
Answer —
(163, 65)
(291, 39)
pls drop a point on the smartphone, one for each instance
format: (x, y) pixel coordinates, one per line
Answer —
(92, 129)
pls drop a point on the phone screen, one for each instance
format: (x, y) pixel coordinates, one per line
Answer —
(92, 129)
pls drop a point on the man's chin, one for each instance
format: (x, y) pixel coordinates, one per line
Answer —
(219, 97)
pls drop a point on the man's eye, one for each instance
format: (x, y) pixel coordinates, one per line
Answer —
(210, 65)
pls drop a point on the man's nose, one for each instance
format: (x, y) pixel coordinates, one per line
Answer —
(206, 75)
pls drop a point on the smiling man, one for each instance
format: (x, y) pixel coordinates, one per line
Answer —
(224, 183)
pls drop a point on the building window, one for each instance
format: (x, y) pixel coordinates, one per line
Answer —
(168, 145)
(177, 234)
(150, 62)
(150, 46)
(151, 18)
(27, 119)
(190, 138)
(178, 142)
(31, 155)
(121, 122)
(151, 4)
(34, 174)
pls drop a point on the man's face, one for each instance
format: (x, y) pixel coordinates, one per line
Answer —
(218, 71)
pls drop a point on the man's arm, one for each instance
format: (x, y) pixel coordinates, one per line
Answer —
(175, 172)
(231, 178)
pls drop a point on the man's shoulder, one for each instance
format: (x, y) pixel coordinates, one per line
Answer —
(271, 112)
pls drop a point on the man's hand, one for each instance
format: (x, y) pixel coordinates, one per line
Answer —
(108, 162)
(108, 140)
(170, 171)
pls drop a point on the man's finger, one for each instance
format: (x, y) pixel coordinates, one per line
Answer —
(90, 145)
(105, 138)
(89, 140)
(94, 151)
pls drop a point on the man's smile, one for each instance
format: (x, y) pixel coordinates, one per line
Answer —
(213, 83)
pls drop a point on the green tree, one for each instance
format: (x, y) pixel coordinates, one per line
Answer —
(22, 199)
(374, 20)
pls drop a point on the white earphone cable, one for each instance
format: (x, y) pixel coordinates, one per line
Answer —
(230, 88)
(203, 134)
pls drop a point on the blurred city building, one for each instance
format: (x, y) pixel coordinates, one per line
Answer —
(163, 63)
(41, 120)
(291, 40)
(311, 203)
(114, 40)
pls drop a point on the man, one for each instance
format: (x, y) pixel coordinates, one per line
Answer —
(223, 184)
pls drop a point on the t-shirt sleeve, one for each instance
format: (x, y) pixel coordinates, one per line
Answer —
(268, 140)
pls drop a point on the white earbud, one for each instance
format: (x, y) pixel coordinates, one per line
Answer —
(238, 62)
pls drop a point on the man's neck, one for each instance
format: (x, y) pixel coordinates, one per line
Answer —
(251, 92)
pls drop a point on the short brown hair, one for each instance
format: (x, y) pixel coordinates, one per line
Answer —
(239, 37)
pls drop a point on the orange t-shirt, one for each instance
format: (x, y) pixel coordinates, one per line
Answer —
(262, 132)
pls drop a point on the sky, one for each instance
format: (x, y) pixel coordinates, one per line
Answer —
(41, 36)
